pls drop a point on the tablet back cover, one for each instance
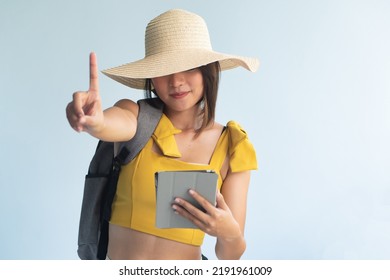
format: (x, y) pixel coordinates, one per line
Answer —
(172, 184)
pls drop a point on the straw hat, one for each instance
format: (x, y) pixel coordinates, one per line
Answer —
(175, 41)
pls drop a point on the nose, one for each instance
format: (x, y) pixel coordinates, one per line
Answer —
(176, 80)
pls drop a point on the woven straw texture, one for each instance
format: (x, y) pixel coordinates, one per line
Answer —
(175, 41)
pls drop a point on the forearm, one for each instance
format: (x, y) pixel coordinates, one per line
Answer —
(231, 249)
(116, 127)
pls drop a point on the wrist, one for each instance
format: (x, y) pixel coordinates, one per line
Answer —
(232, 239)
(98, 130)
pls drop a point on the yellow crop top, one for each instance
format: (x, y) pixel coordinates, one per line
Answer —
(134, 205)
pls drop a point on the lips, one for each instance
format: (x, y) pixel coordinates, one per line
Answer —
(178, 95)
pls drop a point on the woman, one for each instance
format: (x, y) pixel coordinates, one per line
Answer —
(180, 69)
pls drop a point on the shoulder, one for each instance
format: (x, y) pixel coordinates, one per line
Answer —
(236, 132)
(128, 105)
(218, 127)
(240, 149)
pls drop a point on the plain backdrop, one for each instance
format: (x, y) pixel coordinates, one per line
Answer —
(317, 112)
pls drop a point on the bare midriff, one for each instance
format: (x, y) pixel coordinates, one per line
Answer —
(128, 244)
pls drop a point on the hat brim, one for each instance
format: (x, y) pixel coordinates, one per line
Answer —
(135, 73)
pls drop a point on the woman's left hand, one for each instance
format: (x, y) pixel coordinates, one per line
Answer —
(217, 221)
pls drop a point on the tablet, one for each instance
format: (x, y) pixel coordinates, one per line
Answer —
(172, 184)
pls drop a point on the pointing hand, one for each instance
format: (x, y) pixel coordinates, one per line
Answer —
(85, 112)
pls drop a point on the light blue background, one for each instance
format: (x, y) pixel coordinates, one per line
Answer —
(317, 111)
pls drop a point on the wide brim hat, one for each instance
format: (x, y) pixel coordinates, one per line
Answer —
(175, 41)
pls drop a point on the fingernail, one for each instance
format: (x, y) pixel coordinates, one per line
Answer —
(174, 207)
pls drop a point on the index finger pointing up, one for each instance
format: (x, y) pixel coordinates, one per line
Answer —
(93, 73)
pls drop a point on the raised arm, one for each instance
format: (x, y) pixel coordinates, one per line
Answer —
(85, 113)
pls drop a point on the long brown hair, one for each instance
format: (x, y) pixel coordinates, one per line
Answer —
(211, 75)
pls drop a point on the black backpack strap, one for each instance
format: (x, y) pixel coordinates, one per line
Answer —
(150, 112)
(105, 214)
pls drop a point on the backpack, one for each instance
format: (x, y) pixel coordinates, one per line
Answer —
(101, 180)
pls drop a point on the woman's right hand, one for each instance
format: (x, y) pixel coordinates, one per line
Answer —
(85, 112)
